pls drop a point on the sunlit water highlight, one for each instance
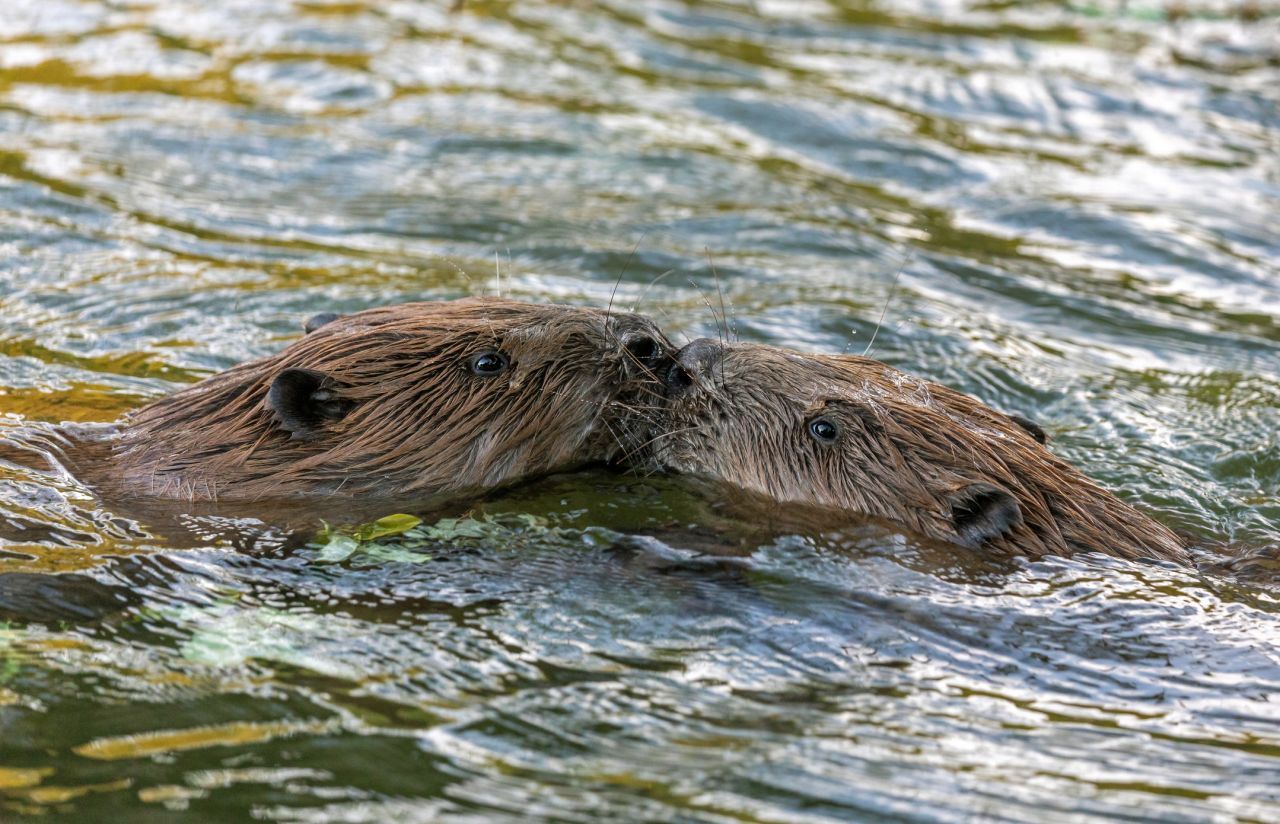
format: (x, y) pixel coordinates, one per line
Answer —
(1082, 201)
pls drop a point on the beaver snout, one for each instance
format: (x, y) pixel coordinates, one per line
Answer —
(646, 352)
(692, 364)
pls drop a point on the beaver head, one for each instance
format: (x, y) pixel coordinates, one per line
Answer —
(415, 399)
(857, 436)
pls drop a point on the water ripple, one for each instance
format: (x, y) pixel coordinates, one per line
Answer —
(1080, 200)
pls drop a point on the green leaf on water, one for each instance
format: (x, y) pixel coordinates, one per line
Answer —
(337, 548)
(450, 529)
(389, 525)
(410, 536)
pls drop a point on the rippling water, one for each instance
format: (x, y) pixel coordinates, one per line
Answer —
(1081, 200)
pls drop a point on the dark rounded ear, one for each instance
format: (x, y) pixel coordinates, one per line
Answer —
(304, 400)
(981, 512)
(316, 321)
(1033, 428)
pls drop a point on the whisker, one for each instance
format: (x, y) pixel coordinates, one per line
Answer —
(730, 330)
(471, 284)
(724, 314)
(617, 439)
(666, 434)
(667, 315)
(892, 288)
(646, 289)
(645, 408)
(648, 414)
(622, 274)
(511, 266)
(654, 469)
(710, 308)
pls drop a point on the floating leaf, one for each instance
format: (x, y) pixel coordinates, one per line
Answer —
(451, 529)
(338, 548)
(389, 525)
(512, 530)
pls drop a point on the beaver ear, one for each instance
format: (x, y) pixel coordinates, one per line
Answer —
(304, 399)
(316, 321)
(981, 512)
(1032, 428)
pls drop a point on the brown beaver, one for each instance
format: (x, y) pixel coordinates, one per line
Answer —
(858, 436)
(415, 399)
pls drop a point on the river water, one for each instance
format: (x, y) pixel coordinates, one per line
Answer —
(1066, 209)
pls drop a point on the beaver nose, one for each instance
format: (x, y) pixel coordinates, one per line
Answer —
(648, 352)
(692, 362)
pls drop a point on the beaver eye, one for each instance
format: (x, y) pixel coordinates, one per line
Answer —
(488, 364)
(823, 430)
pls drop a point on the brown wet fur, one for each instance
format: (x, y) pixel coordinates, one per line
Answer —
(401, 412)
(908, 451)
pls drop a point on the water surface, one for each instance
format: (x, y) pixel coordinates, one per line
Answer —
(1068, 210)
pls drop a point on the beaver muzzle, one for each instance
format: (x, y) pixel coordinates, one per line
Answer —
(693, 364)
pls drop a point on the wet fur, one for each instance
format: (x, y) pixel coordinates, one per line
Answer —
(412, 419)
(909, 451)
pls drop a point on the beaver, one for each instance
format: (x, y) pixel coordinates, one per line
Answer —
(415, 399)
(850, 434)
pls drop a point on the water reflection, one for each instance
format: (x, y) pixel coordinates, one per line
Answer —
(1081, 199)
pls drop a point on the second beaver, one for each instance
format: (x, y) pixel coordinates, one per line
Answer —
(415, 399)
(855, 435)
